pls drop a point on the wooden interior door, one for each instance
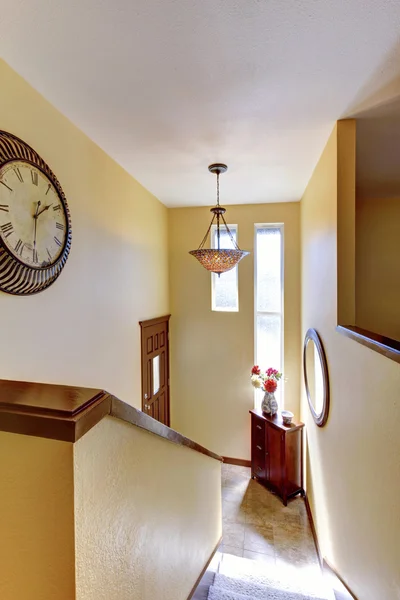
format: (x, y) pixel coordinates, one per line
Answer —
(155, 368)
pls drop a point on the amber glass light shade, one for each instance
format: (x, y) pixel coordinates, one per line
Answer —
(218, 261)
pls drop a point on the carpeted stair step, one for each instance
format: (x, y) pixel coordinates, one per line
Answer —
(221, 594)
(286, 579)
(247, 589)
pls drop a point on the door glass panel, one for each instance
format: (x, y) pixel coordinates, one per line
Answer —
(156, 374)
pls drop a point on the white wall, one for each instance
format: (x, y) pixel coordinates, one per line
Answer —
(84, 329)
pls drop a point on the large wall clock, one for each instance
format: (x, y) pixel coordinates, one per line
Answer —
(35, 223)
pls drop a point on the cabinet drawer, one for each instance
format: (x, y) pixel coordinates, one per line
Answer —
(259, 471)
(258, 432)
(258, 462)
(258, 454)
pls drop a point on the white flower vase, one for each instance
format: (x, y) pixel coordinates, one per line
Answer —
(269, 405)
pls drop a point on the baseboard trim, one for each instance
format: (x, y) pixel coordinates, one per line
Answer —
(333, 572)
(313, 530)
(239, 462)
(200, 577)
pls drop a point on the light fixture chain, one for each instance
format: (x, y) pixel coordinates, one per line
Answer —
(230, 234)
(218, 234)
(203, 241)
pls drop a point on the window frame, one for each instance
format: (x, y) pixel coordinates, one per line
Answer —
(281, 228)
(214, 276)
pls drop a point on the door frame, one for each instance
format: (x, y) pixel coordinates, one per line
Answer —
(143, 326)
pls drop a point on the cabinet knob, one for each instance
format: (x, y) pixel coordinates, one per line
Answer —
(258, 447)
(266, 454)
(259, 427)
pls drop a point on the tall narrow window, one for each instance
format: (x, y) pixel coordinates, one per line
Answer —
(224, 289)
(269, 300)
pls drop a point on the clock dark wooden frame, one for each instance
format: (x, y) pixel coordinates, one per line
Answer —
(15, 276)
(319, 418)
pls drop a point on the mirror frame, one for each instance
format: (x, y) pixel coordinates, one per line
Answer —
(320, 419)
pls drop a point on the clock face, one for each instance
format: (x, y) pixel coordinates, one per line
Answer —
(33, 219)
(35, 222)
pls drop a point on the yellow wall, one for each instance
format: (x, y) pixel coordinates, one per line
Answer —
(346, 223)
(37, 559)
(353, 474)
(148, 514)
(377, 273)
(84, 329)
(121, 515)
(212, 352)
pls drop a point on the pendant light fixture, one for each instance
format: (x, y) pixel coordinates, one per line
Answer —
(218, 260)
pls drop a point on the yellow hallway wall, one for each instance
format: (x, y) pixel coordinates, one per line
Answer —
(147, 511)
(353, 463)
(377, 259)
(37, 547)
(84, 329)
(213, 352)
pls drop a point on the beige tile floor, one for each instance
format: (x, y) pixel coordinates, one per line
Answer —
(256, 525)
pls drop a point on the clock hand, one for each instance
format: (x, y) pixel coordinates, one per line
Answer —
(35, 216)
(42, 211)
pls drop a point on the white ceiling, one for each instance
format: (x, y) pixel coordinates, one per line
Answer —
(168, 86)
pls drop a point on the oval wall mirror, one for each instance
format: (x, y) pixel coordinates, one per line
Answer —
(316, 377)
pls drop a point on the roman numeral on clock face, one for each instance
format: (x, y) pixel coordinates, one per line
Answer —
(35, 256)
(57, 241)
(19, 246)
(18, 174)
(4, 207)
(5, 185)
(7, 229)
(48, 189)
(35, 178)
(57, 207)
(60, 226)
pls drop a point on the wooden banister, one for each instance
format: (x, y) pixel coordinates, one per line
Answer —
(384, 345)
(66, 413)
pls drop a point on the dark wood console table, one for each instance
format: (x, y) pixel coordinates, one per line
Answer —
(277, 454)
